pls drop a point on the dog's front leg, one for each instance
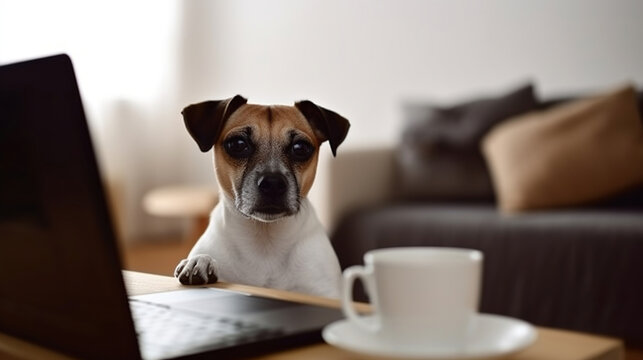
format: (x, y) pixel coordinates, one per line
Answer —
(197, 270)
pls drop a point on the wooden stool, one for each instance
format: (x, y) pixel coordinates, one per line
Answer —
(183, 201)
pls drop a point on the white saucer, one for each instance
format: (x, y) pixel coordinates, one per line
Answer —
(492, 336)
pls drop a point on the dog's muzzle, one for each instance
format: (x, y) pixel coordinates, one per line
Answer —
(272, 190)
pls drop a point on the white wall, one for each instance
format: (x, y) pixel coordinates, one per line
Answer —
(360, 58)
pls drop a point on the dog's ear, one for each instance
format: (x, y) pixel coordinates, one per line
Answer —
(205, 120)
(327, 124)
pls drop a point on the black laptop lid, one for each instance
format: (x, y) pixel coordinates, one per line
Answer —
(60, 284)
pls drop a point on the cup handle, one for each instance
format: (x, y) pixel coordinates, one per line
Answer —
(349, 276)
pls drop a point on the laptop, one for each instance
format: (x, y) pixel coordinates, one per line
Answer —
(61, 284)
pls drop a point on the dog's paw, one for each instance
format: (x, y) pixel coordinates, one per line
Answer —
(197, 270)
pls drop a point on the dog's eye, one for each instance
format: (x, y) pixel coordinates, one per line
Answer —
(301, 150)
(238, 147)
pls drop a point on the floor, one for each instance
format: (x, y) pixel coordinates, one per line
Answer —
(160, 257)
(634, 354)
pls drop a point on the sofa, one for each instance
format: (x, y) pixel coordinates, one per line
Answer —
(576, 265)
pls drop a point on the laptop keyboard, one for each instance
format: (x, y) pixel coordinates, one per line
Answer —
(166, 332)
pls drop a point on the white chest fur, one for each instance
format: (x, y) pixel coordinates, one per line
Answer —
(292, 253)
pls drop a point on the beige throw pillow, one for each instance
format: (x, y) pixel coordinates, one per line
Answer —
(576, 152)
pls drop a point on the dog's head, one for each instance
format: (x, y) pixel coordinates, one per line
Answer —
(265, 156)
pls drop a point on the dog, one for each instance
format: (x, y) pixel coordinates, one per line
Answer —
(264, 230)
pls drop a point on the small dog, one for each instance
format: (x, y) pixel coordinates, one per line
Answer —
(264, 231)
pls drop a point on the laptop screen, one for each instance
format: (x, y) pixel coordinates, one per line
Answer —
(60, 280)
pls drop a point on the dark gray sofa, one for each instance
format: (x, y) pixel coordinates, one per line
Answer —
(577, 268)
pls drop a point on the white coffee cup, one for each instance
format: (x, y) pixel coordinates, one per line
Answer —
(421, 296)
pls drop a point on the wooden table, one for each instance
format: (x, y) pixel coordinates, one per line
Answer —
(552, 344)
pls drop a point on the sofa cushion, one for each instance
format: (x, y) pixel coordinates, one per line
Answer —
(439, 156)
(572, 154)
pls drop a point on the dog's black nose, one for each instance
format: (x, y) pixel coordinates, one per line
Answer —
(272, 184)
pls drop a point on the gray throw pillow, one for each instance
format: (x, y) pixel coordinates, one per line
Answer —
(439, 155)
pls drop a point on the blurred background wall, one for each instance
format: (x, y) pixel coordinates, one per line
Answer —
(139, 63)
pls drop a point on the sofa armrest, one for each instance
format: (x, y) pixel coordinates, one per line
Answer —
(355, 178)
